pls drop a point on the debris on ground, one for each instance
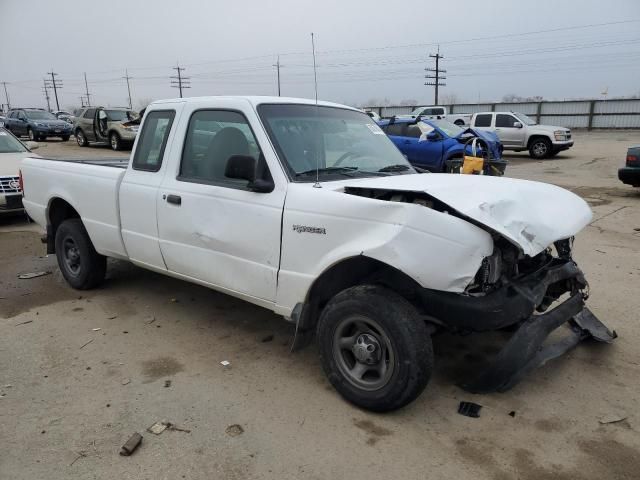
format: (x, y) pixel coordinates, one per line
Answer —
(23, 323)
(126, 381)
(130, 445)
(234, 430)
(86, 344)
(112, 317)
(159, 427)
(266, 339)
(512, 413)
(174, 300)
(80, 454)
(607, 419)
(167, 383)
(225, 363)
(150, 321)
(469, 409)
(27, 276)
(96, 329)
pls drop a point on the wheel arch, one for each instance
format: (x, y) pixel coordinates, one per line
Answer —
(537, 136)
(58, 211)
(344, 274)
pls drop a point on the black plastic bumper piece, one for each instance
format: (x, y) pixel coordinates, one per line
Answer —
(525, 351)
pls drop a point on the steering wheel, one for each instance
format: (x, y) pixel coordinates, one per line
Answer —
(343, 157)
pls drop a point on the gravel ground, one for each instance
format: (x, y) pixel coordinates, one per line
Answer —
(81, 371)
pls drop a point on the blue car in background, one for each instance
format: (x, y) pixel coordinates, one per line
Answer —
(433, 144)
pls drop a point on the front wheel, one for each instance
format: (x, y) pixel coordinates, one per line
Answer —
(540, 148)
(374, 348)
(32, 135)
(82, 267)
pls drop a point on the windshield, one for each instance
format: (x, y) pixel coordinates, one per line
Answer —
(524, 119)
(451, 129)
(10, 144)
(40, 115)
(339, 142)
(120, 115)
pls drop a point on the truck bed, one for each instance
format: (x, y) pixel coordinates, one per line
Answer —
(85, 184)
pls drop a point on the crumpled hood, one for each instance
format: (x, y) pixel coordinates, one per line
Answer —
(531, 215)
(490, 137)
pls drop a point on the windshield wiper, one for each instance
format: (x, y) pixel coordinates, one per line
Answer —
(338, 170)
(401, 167)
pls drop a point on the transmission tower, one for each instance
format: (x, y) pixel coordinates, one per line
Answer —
(178, 81)
(436, 76)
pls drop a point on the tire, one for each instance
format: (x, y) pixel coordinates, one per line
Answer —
(82, 267)
(65, 138)
(395, 355)
(459, 122)
(33, 136)
(115, 141)
(539, 148)
(81, 139)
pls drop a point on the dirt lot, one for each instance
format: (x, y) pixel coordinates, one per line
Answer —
(71, 396)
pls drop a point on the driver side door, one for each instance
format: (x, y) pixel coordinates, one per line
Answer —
(424, 152)
(509, 135)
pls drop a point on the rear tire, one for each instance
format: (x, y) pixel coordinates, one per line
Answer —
(33, 136)
(82, 267)
(540, 148)
(374, 348)
(81, 139)
(115, 141)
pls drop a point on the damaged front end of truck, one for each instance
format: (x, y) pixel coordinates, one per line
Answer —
(530, 284)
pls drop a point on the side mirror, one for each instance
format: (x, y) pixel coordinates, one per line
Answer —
(32, 145)
(517, 125)
(243, 167)
(433, 136)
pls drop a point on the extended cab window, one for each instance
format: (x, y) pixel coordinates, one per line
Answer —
(483, 120)
(212, 138)
(153, 140)
(505, 121)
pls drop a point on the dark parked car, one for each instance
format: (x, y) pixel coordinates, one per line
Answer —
(630, 174)
(37, 124)
(434, 144)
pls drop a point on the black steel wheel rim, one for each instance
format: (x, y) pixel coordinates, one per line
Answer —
(363, 352)
(71, 256)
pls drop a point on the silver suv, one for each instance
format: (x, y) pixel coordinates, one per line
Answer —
(115, 126)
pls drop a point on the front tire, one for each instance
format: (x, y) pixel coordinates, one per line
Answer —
(374, 348)
(540, 148)
(82, 267)
(115, 142)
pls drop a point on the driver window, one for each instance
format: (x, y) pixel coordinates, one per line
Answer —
(505, 121)
(212, 138)
(413, 131)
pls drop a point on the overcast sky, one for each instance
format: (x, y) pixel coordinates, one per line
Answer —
(367, 50)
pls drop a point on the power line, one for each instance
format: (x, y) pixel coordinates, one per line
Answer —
(127, 77)
(180, 82)
(435, 79)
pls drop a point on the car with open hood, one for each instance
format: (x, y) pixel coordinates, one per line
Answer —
(308, 209)
(433, 145)
(115, 126)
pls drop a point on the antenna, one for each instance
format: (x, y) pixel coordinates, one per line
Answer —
(315, 84)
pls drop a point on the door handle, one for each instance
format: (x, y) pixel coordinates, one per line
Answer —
(175, 199)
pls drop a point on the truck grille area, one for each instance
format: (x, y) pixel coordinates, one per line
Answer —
(9, 185)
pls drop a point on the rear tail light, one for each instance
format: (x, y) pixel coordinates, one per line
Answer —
(632, 160)
(20, 181)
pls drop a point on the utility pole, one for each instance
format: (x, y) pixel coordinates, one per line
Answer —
(277, 65)
(86, 86)
(81, 97)
(127, 77)
(46, 93)
(435, 79)
(179, 81)
(6, 96)
(56, 86)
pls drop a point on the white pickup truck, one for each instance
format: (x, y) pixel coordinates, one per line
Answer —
(310, 211)
(435, 111)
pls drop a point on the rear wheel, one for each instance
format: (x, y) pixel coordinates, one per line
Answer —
(82, 267)
(539, 148)
(32, 135)
(115, 142)
(81, 139)
(374, 348)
